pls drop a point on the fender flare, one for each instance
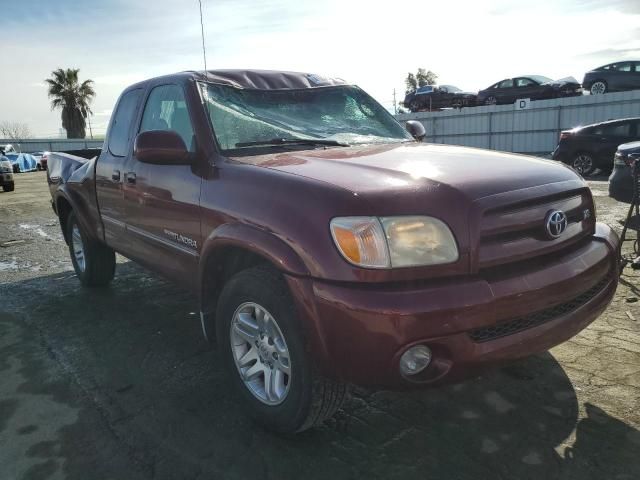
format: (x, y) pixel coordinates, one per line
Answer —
(256, 240)
(279, 254)
(61, 194)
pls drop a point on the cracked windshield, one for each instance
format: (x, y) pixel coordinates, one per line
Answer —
(344, 114)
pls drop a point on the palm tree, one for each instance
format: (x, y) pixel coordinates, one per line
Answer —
(73, 97)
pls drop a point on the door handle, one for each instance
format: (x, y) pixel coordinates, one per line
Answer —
(115, 176)
(131, 177)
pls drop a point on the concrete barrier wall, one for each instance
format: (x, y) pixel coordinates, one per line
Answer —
(533, 130)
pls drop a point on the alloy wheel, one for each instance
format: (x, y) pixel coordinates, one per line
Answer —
(491, 100)
(260, 353)
(598, 88)
(583, 163)
(78, 248)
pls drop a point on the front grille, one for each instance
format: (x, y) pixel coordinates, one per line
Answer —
(535, 319)
(512, 233)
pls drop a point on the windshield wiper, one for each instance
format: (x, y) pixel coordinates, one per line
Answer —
(293, 141)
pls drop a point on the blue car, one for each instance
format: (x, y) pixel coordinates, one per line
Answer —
(22, 162)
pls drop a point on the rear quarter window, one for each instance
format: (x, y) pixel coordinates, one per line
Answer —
(120, 130)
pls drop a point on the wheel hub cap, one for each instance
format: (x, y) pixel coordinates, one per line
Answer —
(260, 353)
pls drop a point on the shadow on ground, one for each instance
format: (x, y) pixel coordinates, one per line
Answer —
(120, 384)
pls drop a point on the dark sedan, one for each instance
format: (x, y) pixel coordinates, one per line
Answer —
(621, 179)
(593, 146)
(615, 77)
(534, 87)
(436, 97)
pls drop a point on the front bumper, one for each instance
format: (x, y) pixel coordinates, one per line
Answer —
(621, 184)
(364, 330)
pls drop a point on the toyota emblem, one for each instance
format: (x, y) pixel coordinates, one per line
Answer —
(555, 223)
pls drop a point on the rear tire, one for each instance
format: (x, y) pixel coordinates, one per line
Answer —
(598, 87)
(583, 164)
(9, 187)
(93, 262)
(255, 307)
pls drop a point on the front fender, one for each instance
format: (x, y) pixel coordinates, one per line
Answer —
(256, 240)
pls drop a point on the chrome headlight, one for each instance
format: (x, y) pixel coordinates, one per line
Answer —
(5, 166)
(390, 242)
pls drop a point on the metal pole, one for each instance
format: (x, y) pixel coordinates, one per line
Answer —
(490, 129)
(395, 109)
(90, 131)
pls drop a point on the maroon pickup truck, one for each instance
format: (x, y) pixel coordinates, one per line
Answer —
(327, 245)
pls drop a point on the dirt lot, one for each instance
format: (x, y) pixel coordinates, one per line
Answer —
(120, 384)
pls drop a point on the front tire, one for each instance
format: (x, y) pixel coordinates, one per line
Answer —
(262, 345)
(9, 187)
(93, 262)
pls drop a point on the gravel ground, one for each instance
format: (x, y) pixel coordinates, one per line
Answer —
(120, 384)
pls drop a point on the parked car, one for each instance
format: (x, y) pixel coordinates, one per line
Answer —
(593, 146)
(7, 148)
(621, 179)
(437, 97)
(534, 87)
(6, 174)
(41, 158)
(615, 77)
(22, 162)
(326, 245)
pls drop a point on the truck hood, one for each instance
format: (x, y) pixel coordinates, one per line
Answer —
(474, 173)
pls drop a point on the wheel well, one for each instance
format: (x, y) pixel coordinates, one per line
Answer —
(582, 152)
(220, 266)
(63, 208)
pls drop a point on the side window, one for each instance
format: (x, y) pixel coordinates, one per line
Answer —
(120, 130)
(524, 82)
(506, 83)
(621, 67)
(637, 67)
(166, 109)
(617, 129)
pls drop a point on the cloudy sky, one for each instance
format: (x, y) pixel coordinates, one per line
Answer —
(371, 43)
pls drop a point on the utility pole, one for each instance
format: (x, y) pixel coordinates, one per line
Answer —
(90, 131)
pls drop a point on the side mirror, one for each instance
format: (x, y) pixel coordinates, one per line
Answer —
(162, 147)
(416, 129)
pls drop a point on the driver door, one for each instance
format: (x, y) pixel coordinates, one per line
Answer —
(527, 88)
(163, 201)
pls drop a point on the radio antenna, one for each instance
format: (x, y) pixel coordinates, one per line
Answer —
(204, 51)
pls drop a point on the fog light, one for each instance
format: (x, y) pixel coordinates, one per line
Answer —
(415, 359)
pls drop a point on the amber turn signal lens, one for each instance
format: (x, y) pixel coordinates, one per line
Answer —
(361, 241)
(348, 244)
